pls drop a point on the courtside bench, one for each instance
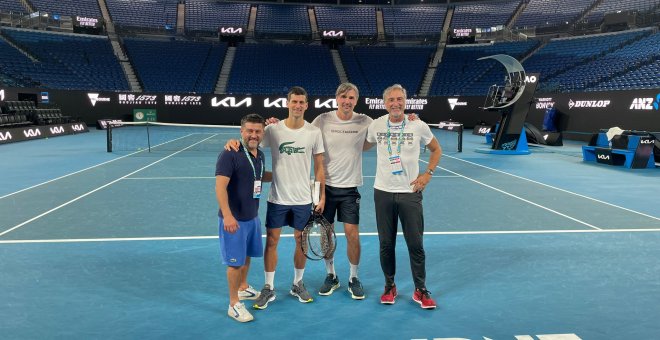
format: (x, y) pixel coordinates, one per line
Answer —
(631, 149)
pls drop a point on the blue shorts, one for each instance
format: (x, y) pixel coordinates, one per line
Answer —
(245, 242)
(295, 216)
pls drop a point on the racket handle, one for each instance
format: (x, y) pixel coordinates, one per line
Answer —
(316, 198)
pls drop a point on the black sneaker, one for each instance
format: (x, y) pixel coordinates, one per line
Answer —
(355, 288)
(329, 285)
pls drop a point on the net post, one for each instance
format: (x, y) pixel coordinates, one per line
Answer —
(148, 138)
(460, 138)
(108, 138)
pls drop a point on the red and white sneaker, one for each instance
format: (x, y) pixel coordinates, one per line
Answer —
(389, 296)
(423, 297)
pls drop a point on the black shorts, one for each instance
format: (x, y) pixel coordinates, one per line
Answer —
(344, 202)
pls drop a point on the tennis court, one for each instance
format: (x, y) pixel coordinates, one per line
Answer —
(123, 245)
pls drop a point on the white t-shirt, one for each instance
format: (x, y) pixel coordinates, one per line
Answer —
(415, 133)
(292, 152)
(343, 141)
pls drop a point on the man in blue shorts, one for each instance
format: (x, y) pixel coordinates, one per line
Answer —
(238, 178)
(294, 144)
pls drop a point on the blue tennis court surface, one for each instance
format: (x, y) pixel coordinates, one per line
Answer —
(124, 245)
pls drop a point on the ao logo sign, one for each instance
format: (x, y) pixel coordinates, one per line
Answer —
(328, 104)
(530, 79)
(333, 34)
(231, 102)
(279, 102)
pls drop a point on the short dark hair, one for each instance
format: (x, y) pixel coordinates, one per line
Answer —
(298, 91)
(253, 118)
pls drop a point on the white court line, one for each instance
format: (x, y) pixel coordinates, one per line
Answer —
(444, 176)
(183, 238)
(162, 178)
(89, 168)
(560, 189)
(97, 189)
(519, 198)
(67, 175)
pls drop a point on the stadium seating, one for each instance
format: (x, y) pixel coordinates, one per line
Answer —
(176, 66)
(413, 22)
(87, 8)
(561, 55)
(272, 69)
(358, 22)
(12, 6)
(541, 13)
(374, 68)
(484, 15)
(147, 13)
(207, 15)
(608, 6)
(63, 61)
(282, 21)
(460, 73)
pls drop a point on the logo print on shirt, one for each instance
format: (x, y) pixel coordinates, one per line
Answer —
(285, 148)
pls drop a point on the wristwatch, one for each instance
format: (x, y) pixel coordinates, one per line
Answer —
(429, 171)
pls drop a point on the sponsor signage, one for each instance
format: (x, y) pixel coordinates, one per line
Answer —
(2, 95)
(588, 104)
(45, 99)
(86, 22)
(231, 31)
(462, 32)
(95, 98)
(333, 34)
(411, 103)
(29, 133)
(103, 124)
(325, 104)
(137, 99)
(173, 99)
(231, 102)
(144, 115)
(277, 102)
(453, 102)
(544, 103)
(648, 103)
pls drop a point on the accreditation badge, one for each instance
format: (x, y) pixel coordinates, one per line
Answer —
(256, 191)
(395, 165)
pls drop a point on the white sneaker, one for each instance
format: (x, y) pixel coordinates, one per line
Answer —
(239, 313)
(248, 294)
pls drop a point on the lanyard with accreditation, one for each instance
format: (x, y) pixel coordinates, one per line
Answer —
(395, 160)
(256, 189)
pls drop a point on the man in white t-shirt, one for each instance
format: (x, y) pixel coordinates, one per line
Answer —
(294, 143)
(398, 190)
(344, 133)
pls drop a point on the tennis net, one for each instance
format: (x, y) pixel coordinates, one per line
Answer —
(154, 137)
(450, 135)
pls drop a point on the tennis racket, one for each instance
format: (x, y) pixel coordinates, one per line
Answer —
(318, 239)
